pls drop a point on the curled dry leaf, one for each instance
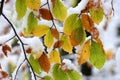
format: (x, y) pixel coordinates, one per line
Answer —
(55, 33)
(84, 53)
(88, 24)
(44, 62)
(45, 14)
(6, 48)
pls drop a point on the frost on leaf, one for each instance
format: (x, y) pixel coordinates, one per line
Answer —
(44, 62)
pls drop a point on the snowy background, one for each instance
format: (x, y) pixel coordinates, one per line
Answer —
(110, 38)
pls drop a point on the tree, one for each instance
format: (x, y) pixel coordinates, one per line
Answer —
(42, 44)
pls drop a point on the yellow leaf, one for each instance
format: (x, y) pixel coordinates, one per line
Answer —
(33, 4)
(84, 53)
(48, 39)
(66, 44)
(54, 56)
(41, 30)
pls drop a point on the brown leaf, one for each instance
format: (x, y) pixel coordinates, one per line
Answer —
(55, 33)
(44, 62)
(4, 74)
(6, 48)
(53, 2)
(88, 24)
(0, 67)
(58, 44)
(45, 14)
(29, 50)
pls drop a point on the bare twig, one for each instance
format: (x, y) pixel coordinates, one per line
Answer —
(22, 45)
(1, 6)
(43, 5)
(112, 6)
(18, 69)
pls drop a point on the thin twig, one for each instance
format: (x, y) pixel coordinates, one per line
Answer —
(39, 76)
(1, 7)
(8, 40)
(18, 69)
(22, 45)
(43, 5)
(112, 6)
(51, 15)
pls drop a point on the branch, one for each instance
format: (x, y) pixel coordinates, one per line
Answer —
(22, 44)
(1, 6)
(112, 6)
(18, 69)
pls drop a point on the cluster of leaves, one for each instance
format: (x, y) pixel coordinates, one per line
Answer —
(74, 26)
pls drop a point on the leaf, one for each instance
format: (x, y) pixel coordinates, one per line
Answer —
(6, 48)
(40, 30)
(71, 23)
(20, 8)
(84, 53)
(66, 44)
(35, 64)
(97, 56)
(74, 75)
(75, 2)
(89, 26)
(4, 74)
(28, 50)
(44, 62)
(48, 39)
(47, 78)
(45, 14)
(32, 22)
(96, 15)
(55, 33)
(59, 10)
(33, 4)
(58, 73)
(58, 44)
(53, 2)
(54, 57)
(77, 36)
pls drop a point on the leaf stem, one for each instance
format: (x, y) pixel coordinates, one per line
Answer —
(22, 44)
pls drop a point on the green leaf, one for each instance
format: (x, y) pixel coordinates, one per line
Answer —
(20, 8)
(74, 75)
(66, 44)
(32, 22)
(58, 73)
(40, 30)
(71, 23)
(97, 15)
(35, 64)
(47, 78)
(59, 10)
(97, 56)
(74, 3)
(48, 39)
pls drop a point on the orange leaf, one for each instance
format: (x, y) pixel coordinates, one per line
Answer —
(55, 33)
(45, 14)
(29, 50)
(53, 2)
(58, 44)
(109, 54)
(44, 62)
(6, 48)
(4, 74)
(89, 26)
(84, 53)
